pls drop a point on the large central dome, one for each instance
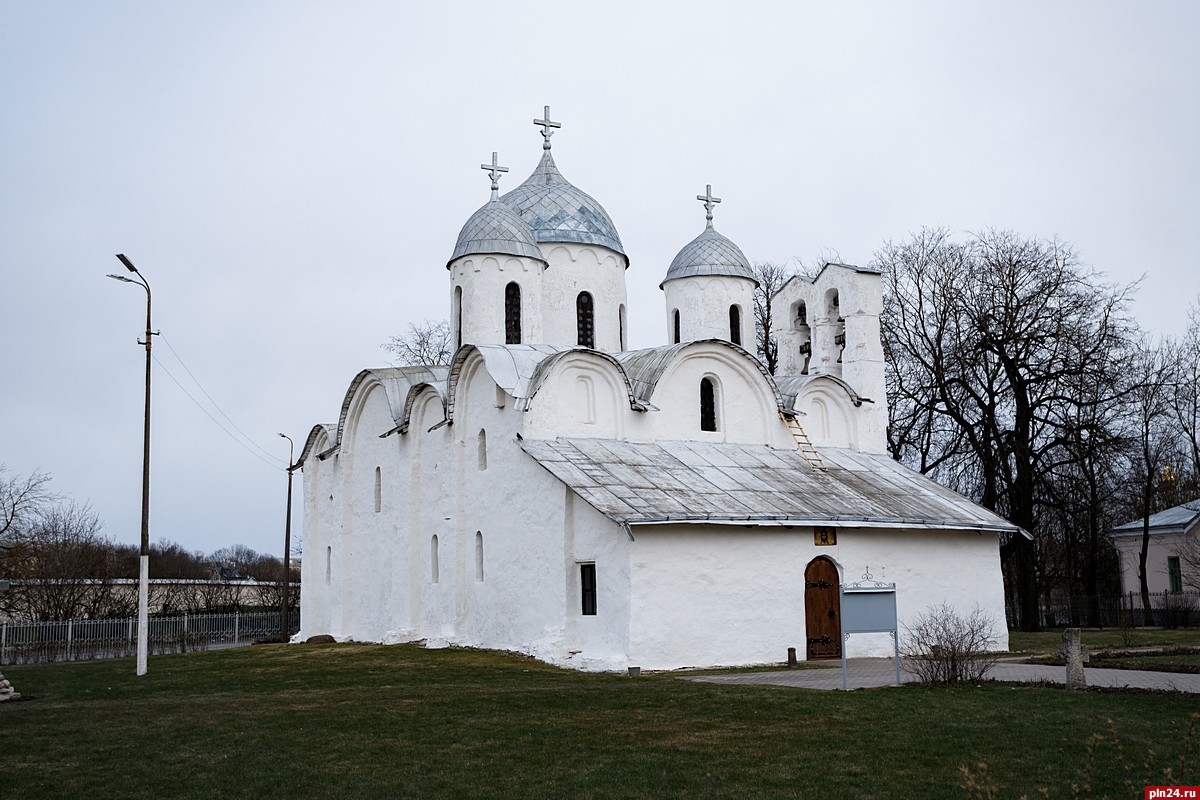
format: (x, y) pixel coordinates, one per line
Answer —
(557, 211)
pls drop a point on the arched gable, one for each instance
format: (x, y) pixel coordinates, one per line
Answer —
(645, 368)
(317, 443)
(828, 406)
(415, 393)
(395, 381)
(748, 403)
(581, 393)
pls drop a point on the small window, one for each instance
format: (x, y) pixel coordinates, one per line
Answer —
(621, 326)
(478, 556)
(1174, 575)
(708, 405)
(675, 327)
(585, 315)
(328, 565)
(378, 491)
(458, 326)
(433, 559)
(735, 325)
(512, 314)
(587, 585)
(481, 446)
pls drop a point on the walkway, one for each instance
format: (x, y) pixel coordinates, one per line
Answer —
(864, 673)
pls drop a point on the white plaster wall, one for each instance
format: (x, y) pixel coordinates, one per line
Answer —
(316, 595)
(961, 568)
(369, 535)
(715, 595)
(729, 595)
(483, 280)
(828, 416)
(703, 303)
(584, 397)
(578, 268)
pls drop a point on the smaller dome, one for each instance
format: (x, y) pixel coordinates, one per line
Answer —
(710, 253)
(496, 229)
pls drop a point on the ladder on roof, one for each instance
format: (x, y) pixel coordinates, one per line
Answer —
(804, 444)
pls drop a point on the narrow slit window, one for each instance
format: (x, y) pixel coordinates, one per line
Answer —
(512, 314)
(481, 464)
(675, 327)
(478, 556)
(328, 565)
(433, 559)
(585, 315)
(735, 325)
(587, 585)
(1174, 575)
(458, 325)
(378, 491)
(708, 405)
(621, 327)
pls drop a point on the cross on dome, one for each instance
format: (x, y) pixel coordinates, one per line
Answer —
(494, 169)
(709, 202)
(546, 126)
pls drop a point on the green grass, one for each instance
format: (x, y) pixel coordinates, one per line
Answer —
(372, 721)
(1051, 640)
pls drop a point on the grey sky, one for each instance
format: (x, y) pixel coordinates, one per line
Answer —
(290, 177)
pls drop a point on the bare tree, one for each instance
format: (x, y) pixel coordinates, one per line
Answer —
(771, 278)
(424, 344)
(1155, 445)
(991, 338)
(22, 501)
(67, 565)
(1185, 397)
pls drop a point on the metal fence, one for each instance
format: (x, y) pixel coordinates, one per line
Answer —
(1170, 610)
(84, 639)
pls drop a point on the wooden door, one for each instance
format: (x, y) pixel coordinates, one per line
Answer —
(822, 610)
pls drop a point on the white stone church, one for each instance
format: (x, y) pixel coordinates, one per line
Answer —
(554, 493)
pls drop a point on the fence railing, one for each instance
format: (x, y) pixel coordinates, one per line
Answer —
(84, 639)
(1170, 610)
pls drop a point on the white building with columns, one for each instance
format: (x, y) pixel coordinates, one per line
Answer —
(551, 492)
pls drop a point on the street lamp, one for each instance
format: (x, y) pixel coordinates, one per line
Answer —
(287, 544)
(144, 560)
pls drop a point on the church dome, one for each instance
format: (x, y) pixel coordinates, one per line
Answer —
(496, 229)
(710, 253)
(557, 211)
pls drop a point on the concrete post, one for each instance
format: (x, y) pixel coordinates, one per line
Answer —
(1075, 654)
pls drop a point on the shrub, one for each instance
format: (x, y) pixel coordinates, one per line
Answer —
(942, 646)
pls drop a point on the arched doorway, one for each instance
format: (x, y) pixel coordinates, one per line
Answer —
(822, 609)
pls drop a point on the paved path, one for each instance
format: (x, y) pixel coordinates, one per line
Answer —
(868, 672)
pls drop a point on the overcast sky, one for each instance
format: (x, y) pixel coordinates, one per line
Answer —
(290, 177)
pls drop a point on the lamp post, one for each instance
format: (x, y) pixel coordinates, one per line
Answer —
(144, 560)
(287, 544)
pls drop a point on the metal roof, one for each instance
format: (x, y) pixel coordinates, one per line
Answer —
(640, 483)
(1181, 516)
(557, 211)
(710, 253)
(496, 229)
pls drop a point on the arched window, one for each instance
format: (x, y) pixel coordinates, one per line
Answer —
(621, 326)
(482, 450)
(735, 325)
(585, 315)
(708, 405)
(457, 317)
(675, 324)
(512, 314)
(479, 556)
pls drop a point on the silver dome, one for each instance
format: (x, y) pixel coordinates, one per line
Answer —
(710, 253)
(556, 211)
(496, 229)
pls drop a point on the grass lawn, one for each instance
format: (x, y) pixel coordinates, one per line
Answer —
(353, 721)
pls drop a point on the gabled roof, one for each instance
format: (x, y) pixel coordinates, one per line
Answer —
(1179, 519)
(642, 483)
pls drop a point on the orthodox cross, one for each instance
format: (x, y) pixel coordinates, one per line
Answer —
(494, 169)
(546, 125)
(709, 202)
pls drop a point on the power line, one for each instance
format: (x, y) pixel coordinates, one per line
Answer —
(216, 421)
